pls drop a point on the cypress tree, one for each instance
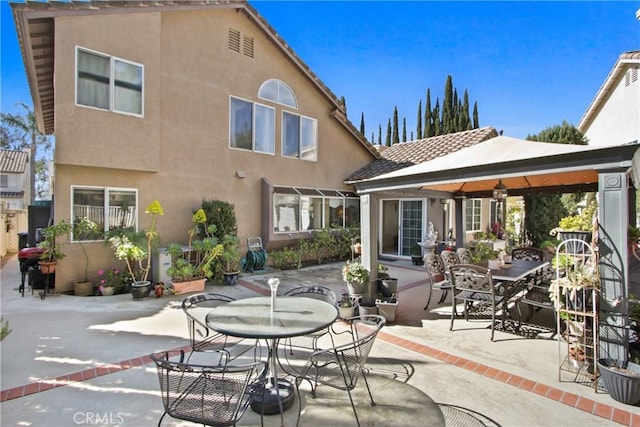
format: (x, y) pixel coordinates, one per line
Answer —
(343, 101)
(455, 117)
(447, 107)
(404, 129)
(388, 140)
(437, 130)
(466, 120)
(476, 122)
(396, 137)
(419, 125)
(428, 117)
(373, 138)
(379, 134)
(362, 124)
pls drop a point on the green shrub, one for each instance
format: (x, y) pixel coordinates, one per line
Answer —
(222, 215)
(285, 259)
(4, 328)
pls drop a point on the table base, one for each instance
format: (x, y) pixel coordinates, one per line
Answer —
(270, 404)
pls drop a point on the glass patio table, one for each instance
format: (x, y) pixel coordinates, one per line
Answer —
(253, 318)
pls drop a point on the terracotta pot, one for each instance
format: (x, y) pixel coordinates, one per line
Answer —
(108, 291)
(47, 267)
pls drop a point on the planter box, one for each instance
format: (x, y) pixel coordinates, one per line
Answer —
(388, 286)
(387, 309)
(190, 286)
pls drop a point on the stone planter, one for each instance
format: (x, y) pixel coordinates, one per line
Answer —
(366, 310)
(82, 288)
(231, 279)
(140, 290)
(355, 288)
(387, 309)
(621, 379)
(196, 285)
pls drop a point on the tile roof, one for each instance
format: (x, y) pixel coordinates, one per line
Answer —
(13, 161)
(400, 156)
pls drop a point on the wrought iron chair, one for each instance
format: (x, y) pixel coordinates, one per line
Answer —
(449, 258)
(204, 339)
(321, 293)
(211, 395)
(473, 285)
(437, 275)
(341, 365)
(464, 256)
(537, 293)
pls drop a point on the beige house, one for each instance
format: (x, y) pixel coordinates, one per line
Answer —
(180, 102)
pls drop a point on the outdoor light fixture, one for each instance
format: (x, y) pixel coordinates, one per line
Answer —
(500, 191)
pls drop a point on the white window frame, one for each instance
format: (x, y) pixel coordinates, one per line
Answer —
(113, 62)
(277, 91)
(106, 206)
(268, 134)
(307, 136)
(476, 215)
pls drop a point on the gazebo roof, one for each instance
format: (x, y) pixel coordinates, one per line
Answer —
(525, 167)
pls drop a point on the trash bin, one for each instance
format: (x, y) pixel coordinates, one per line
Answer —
(23, 240)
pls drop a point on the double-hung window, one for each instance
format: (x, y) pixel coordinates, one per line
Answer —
(299, 137)
(252, 126)
(109, 208)
(109, 83)
(473, 214)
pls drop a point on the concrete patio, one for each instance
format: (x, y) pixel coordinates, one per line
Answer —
(83, 361)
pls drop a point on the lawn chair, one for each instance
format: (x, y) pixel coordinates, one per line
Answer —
(210, 395)
(340, 366)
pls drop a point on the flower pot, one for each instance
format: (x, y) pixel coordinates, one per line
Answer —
(47, 267)
(82, 288)
(231, 279)
(140, 289)
(108, 291)
(346, 312)
(387, 309)
(367, 310)
(355, 288)
(388, 286)
(494, 264)
(417, 260)
(196, 285)
(622, 380)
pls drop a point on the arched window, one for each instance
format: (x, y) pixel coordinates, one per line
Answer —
(276, 91)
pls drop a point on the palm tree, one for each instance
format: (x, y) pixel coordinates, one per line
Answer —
(20, 131)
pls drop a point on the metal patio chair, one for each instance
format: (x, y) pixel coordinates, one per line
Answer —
(340, 366)
(321, 293)
(204, 339)
(474, 286)
(211, 395)
(437, 275)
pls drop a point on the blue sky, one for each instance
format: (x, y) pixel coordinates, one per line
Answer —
(529, 65)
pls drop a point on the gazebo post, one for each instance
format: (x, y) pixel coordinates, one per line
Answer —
(613, 216)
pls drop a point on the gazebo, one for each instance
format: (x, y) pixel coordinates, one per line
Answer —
(529, 168)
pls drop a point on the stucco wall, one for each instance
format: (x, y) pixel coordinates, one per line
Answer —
(179, 152)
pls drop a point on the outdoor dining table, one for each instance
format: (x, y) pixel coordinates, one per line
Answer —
(517, 270)
(253, 318)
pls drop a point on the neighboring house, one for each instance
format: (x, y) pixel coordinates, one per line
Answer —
(613, 117)
(14, 179)
(404, 216)
(15, 196)
(180, 102)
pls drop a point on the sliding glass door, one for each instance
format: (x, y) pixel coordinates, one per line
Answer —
(402, 226)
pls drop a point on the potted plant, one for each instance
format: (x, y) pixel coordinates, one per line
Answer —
(416, 254)
(483, 252)
(111, 281)
(84, 229)
(230, 259)
(387, 285)
(50, 246)
(136, 252)
(191, 266)
(356, 276)
(345, 307)
(576, 226)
